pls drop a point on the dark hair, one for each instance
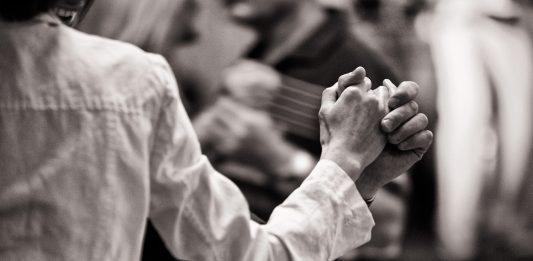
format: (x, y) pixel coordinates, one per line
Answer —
(22, 10)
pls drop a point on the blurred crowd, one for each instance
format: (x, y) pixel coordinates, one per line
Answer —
(253, 93)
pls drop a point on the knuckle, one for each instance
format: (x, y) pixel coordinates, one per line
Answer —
(342, 78)
(353, 92)
(323, 112)
(327, 90)
(373, 101)
(394, 120)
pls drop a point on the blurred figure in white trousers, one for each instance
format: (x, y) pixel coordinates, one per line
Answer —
(484, 62)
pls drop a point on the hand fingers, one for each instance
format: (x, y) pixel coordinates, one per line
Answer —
(353, 78)
(388, 83)
(398, 116)
(407, 91)
(329, 96)
(351, 94)
(411, 127)
(366, 85)
(383, 96)
(420, 142)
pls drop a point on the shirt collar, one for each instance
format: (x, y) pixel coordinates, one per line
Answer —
(48, 17)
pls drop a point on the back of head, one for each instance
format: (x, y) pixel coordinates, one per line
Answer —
(23, 10)
(145, 23)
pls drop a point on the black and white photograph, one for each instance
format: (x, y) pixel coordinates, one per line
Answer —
(266, 130)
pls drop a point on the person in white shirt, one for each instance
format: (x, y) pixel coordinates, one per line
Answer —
(94, 140)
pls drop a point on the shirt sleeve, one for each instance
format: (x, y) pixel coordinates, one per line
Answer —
(201, 215)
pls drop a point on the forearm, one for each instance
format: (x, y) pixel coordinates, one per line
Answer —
(321, 220)
(324, 218)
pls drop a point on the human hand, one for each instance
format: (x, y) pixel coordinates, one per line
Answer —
(249, 136)
(355, 78)
(251, 83)
(228, 125)
(407, 136)
(350, 132)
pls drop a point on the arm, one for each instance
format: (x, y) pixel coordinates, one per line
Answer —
(203, 216)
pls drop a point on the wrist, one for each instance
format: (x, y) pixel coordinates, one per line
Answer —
(370, 200)
(351, 165)
(367, 187)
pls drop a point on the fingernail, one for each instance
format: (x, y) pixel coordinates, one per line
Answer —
(387, 125)
(393, 102)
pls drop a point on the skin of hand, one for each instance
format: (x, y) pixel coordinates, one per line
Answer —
(355, 78)
(407, 136)
(350, 131)
(251, 83)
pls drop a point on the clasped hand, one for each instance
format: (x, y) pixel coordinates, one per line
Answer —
(374, 135)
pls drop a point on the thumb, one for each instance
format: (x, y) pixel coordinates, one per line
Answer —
(354, 78)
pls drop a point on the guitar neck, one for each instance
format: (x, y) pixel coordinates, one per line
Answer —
(296, 107)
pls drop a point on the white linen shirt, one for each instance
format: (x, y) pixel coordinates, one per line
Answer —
(94, 140)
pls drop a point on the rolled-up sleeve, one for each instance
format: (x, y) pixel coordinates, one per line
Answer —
(201, 215)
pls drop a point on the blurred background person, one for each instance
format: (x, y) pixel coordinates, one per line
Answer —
(399, 31)
(483, 56)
